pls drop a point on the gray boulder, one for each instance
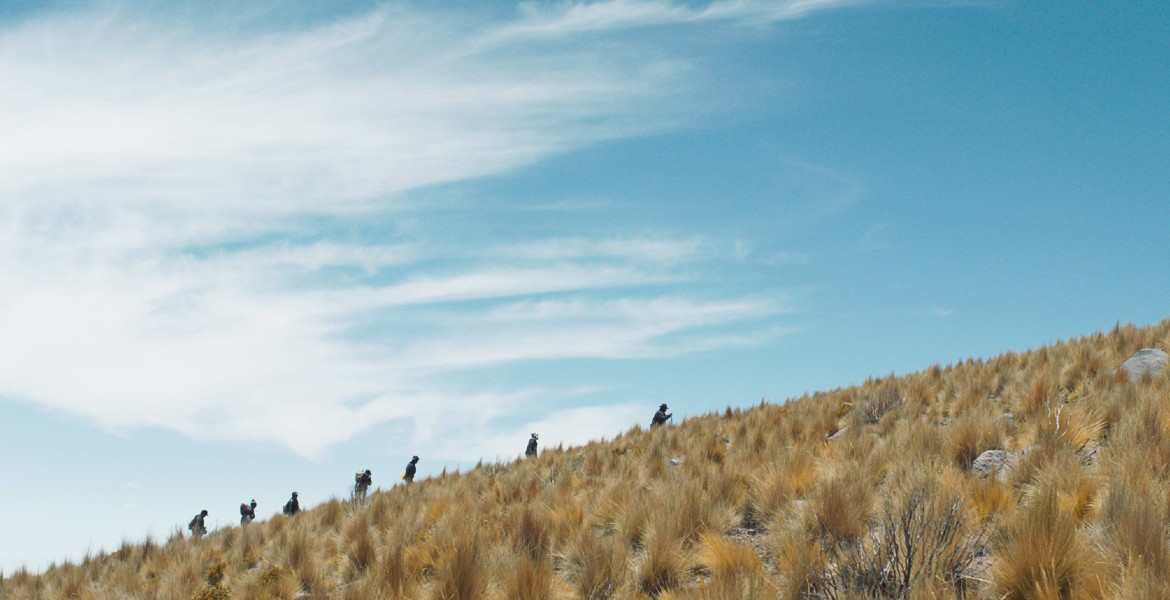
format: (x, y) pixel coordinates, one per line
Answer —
(1000, 462)
(1146, 360)
(988, 462)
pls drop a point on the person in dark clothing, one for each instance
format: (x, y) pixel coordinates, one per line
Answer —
(531, 450)
(408, 476)
(660, 417)
(293, 506)
(197, 525)
(248, 512)
(361, 483)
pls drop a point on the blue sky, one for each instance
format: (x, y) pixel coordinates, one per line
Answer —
(250, 252)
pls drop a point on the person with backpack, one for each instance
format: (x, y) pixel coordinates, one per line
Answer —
(293, 506)
(408, 476)
(197, 525)
(531, 449)
(660, 417)
(247, 512)
(361, 483)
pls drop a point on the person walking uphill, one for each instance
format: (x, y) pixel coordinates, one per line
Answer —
(197, 525)
(531, 450)
(361, 483)
(293, 506)
(408, 476)
(660, 417)
(248, 512)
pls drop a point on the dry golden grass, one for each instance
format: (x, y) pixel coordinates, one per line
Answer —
(762, 505)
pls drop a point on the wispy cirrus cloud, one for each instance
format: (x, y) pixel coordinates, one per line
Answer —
(199, 226)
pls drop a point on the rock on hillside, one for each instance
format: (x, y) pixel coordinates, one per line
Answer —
(1146, 360)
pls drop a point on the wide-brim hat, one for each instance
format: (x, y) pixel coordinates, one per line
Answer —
(663, 407)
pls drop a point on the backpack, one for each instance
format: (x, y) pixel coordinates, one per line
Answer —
(191, 525)
(245, 510)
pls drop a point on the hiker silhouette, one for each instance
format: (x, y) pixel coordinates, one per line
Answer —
(408, 475)
(248, 512)
(293, 506)
(361, 483)
(531, 449)
(197, 525)
(660, 417)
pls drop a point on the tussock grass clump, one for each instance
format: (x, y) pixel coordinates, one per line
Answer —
(597, 566)
(840, 508)
(1045, 556)
(460, 576)
(727, 560)
(663, 565)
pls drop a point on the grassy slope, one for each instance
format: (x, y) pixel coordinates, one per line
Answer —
(762, 505)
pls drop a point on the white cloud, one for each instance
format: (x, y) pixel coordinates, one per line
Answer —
(163, 188)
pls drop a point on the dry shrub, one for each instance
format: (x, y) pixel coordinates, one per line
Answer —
(778, 485)
(1076, 491)
(392, 576)
(1136, 527)
(918, 542)
(971, 436)
(1043, 557)
(1073, 425)
(1039, 396)
(725, 559)
(215, 589)
(840, 507)
(714, 449)
(687, 512)
(663, 566)
(528, 532)
(530, 579)
(877, 404)
(330, 514)
(597, 565)
(362, 551)
(460, 575)
(312, 578)
(989, 497)
(297, 548)
(800, 560)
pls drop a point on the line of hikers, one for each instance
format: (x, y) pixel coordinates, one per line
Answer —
(363, 479)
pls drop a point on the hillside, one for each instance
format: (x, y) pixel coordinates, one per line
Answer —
(862, 492)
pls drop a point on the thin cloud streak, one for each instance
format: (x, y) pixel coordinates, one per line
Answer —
(561, 19)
